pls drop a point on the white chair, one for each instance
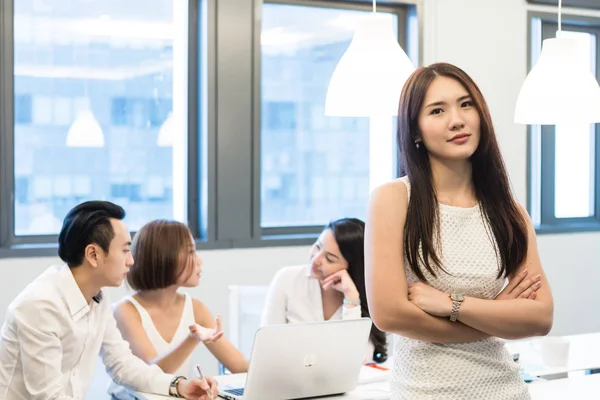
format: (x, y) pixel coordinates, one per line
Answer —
(245, 308)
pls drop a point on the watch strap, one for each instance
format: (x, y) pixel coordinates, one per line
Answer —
(456, 303)
(351, 302)
(173, 391)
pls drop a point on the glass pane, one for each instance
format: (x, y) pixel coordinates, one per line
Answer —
(575, 175)
(100, 109)
(314, 168)
(575, 158)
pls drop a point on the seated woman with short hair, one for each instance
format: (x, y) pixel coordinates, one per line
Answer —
(162, 325)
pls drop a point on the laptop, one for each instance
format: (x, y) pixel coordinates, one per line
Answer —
(301, 360)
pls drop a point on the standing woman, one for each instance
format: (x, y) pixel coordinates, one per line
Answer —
(441, 242)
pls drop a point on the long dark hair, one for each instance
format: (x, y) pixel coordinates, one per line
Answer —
(492, 187)
(349, 234)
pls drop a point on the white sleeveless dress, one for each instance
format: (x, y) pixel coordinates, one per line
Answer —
(482, 370)
(161, 345)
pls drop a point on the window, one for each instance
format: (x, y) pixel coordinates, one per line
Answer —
(23, 109)
(119, 111)
(565, 159)
(144, 112)
(569, 3)
(280, 116)
(102, 76)
(186, 110)
(314, 168)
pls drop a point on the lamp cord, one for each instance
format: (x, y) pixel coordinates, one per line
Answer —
(559, 17)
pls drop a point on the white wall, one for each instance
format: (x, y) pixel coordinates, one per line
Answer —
(487, 38)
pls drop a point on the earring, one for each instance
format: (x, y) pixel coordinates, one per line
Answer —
(417, 144)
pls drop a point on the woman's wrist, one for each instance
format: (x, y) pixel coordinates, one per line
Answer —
(352, 295)
(352, 299)
(194, 338)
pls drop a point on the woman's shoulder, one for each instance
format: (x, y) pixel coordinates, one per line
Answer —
(125, 302)
(198, 305)
(290, 274)
(201, 313)
(126, 310)
(293, 270)
(392, 194)
(398, 186)
(286, 277)
(402, 185)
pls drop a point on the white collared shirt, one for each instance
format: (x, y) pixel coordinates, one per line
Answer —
(52, 337)
(295, 296)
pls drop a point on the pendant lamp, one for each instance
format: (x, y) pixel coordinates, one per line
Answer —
(561, 87)
(369, 77)
(85, 131)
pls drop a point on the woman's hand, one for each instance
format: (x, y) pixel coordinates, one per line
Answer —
(342, 282)
(521, 287)
(439, 304)
(207, 335)
(430, 300)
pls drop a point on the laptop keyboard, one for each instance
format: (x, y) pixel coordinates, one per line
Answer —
(236, 392)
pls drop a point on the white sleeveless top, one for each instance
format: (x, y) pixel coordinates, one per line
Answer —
(160, 344)
(452, 371)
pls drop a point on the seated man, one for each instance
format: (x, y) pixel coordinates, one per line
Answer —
(59, 323)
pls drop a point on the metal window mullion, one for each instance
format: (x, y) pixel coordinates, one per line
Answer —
(7, 127)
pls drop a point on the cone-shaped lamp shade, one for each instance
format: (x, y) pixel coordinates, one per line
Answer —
(165, 133)
(369, 77)
(85, 131)
(560, 88)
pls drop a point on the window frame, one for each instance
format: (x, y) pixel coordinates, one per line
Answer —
(403, 13)
(223, 152)
(541, 140)
(12, 245)
(590, 4)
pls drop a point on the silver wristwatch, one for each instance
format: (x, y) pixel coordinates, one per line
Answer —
(457, 300)
(173, 391)
(351, 302)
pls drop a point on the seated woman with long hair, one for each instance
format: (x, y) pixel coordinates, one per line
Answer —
(330, 287)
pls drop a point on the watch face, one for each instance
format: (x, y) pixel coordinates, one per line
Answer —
(457, 297)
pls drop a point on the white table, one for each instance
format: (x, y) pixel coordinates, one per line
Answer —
(585, 387)
(579, 388)
(369, 391)
(373, 391)
(584, 354)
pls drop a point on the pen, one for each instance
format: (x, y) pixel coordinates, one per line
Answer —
(373, 365)
(199, 373)
(201, 377)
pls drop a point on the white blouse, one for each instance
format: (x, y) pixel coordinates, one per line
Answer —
(295, 296)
